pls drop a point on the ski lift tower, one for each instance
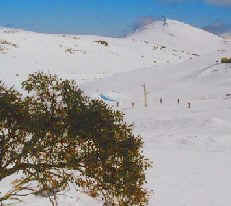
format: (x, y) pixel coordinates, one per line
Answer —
(145, 96)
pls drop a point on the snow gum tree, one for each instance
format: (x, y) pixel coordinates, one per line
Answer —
(53, 136)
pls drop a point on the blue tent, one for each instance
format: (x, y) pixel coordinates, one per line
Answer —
(106, 98)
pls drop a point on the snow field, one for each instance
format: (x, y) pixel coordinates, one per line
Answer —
(190, 148)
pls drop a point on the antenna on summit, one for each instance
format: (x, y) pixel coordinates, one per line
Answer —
(164, 19)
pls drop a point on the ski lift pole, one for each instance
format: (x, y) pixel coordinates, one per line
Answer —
(145, 96)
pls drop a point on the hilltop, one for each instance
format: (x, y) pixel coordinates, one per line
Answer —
(85, 57)
(178, 35)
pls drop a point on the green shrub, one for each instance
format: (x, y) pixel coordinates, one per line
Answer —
(102, 42)
(225, 60)
(4, 42)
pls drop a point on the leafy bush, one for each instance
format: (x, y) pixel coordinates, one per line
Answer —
(8, 43)
(55, 136)
(225, 60)
(69, 50)
(102, 42)
(194, 54)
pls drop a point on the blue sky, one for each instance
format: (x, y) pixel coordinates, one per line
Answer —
(108, 17)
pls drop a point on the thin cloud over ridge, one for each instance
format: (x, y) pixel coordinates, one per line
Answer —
(218, 28)
(217, 2)
(222, 2)
(142, 21)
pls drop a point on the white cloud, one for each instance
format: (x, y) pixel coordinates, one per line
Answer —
(221, 2)
(218, 2)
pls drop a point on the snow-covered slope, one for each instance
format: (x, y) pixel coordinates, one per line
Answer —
(178, 35)
(79, 56)
(190, 147)
(203, 82)
(84, 59)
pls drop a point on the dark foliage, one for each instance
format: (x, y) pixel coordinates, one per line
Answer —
(55, 136)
